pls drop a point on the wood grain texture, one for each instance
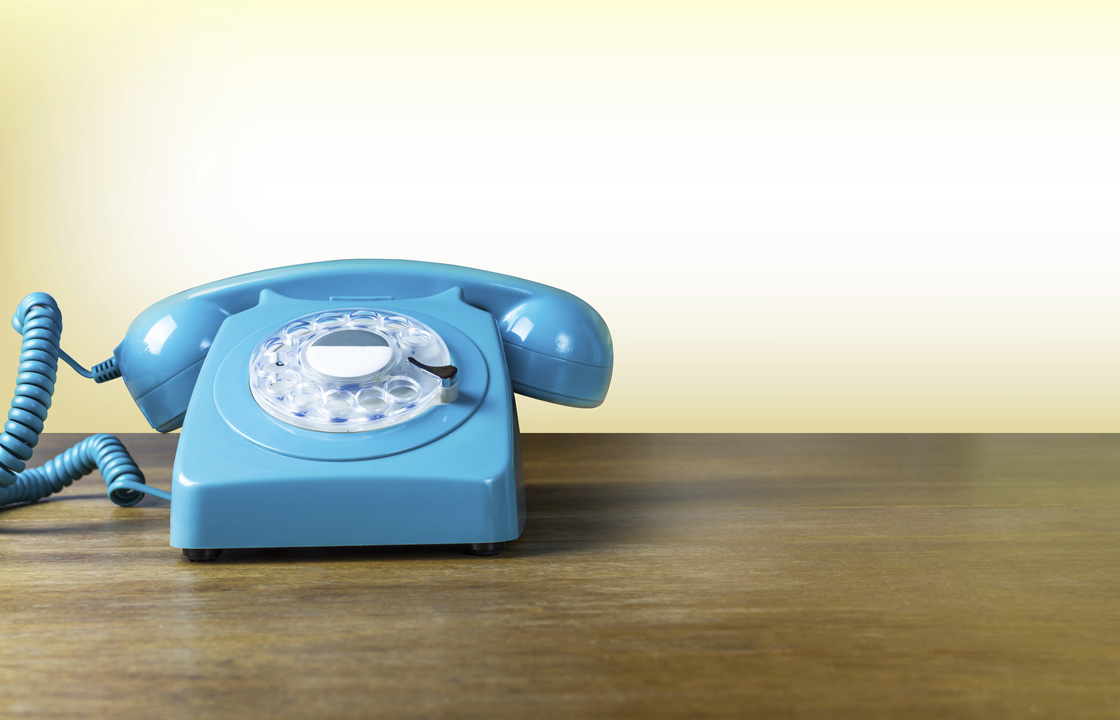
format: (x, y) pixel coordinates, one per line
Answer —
(658, 576)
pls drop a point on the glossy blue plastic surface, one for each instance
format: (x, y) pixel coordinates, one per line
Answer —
(557, 347)
(243, 478)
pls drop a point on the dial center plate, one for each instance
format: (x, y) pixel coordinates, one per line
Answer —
(349, 354)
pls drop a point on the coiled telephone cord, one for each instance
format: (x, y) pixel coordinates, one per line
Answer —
(39, 320)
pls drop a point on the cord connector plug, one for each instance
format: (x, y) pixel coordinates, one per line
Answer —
(106, 371)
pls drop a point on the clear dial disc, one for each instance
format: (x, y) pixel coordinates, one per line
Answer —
(347, 370)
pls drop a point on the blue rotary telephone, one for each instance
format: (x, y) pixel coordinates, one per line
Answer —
(353, 402)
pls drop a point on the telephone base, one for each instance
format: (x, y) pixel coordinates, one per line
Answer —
(451, 475)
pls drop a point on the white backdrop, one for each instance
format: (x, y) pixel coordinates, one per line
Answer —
(787, 227)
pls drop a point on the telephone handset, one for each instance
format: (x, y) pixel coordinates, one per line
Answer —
(352, 402)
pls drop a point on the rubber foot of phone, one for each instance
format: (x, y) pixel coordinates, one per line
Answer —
(485, 549)
(201, 555)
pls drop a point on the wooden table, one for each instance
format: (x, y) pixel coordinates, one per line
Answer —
(658, 576)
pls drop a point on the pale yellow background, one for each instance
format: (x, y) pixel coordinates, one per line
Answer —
(794, 216)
